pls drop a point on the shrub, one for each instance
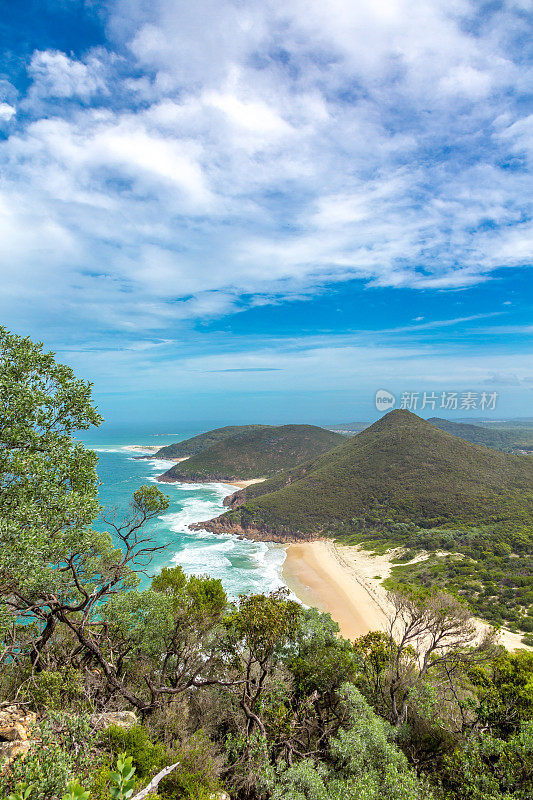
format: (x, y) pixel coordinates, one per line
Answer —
(57, 690)
(197, 777)
(148, 757)
(62, 754)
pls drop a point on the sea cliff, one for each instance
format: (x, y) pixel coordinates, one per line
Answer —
(221, 525)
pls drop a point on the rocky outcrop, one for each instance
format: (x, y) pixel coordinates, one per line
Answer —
(235, 500)
(16, 725)
(123, 719)
(220, 525)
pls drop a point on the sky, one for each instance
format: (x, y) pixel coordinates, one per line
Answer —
(268, 211)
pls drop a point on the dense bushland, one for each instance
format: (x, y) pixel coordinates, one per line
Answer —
(255, 453)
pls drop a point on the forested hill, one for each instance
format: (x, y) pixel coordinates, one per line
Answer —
(256, 453)
(197, 444)
(476, 434)
(400, 468)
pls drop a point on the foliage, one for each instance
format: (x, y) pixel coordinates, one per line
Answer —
(48, 482)
(489, 768)
(264, 450)
(22, 792)
(259, 633)
(504, 690)
(58, 689)
(489, 564)
(147, 757)
(197, 776)
(322, 661)
(362, 762)
(76, 792)
(122, 779)
(61, 752)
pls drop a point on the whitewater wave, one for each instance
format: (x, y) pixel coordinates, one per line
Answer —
(159, 463)
(243, 566)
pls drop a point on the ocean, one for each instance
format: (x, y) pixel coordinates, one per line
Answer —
(243, 566)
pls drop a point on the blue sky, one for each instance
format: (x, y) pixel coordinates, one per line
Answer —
(241, 211)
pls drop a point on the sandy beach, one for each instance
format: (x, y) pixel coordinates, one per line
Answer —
(345, 581)
(139, 448)
(244, 484)
(319, 575)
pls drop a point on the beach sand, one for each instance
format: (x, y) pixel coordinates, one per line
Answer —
(319, 576)
(139, 448)
(244, 484)
(345, 581)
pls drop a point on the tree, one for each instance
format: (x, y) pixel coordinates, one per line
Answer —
(430, 637)
(489, 768)
(48, 482)
(54, 566)
(362, 761)
(154, 645)
(504, 690)
(258, 633)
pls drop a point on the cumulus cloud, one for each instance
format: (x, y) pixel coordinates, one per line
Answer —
(56, 75)
(218, 149)
(6, 111)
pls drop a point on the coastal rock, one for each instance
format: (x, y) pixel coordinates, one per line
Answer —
(235, 500)
(219, 525)
(123, 719)
(15, 732)
(172, 476)
(10, 750)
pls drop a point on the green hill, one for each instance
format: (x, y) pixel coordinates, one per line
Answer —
(197, 444)
(256, 453)
(467, 509)
(476, 434)
(401, 467)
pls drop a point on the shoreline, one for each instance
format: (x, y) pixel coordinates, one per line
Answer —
(317, 573)
(345, 581)
(244, 484)
(237, 484)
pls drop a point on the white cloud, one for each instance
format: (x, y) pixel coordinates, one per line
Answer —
(56, 75)
(467, 81)
(7, 111)
(268, 151)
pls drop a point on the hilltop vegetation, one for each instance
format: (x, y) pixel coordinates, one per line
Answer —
(197, 444)
(401, 467)
(509, 436)
(255, 454)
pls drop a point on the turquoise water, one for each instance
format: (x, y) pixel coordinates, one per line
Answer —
(242, 566)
